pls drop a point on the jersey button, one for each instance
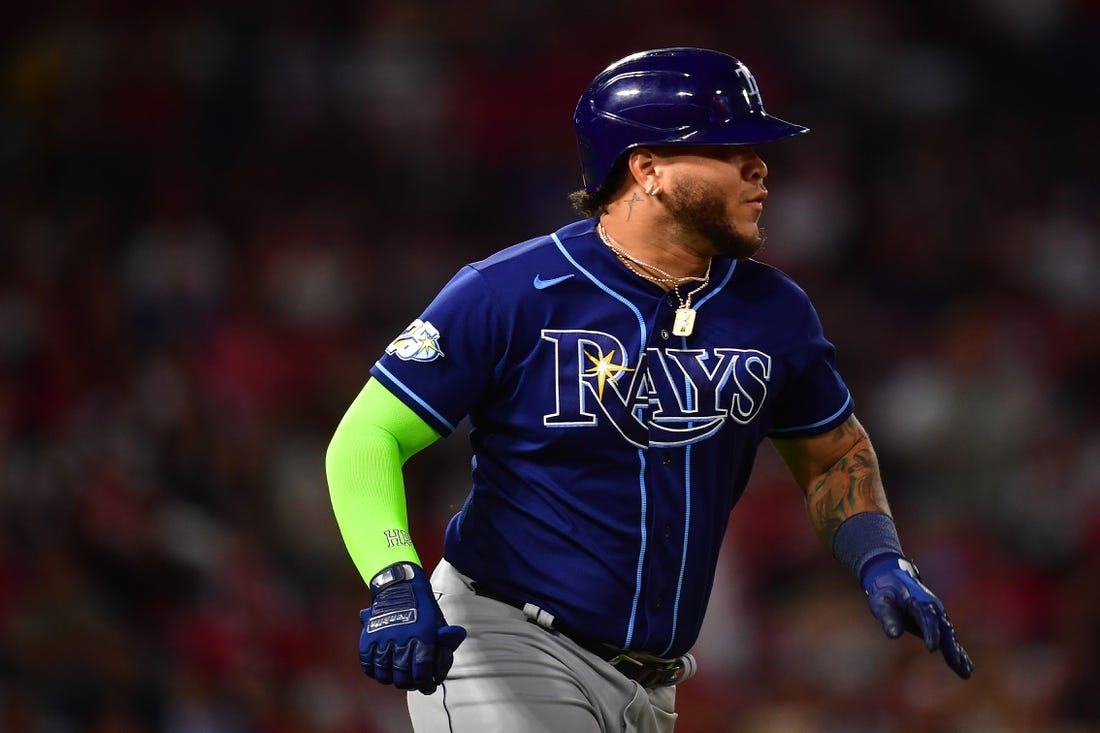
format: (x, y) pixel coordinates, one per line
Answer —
(657, 602)
(666, 459)
(664, 334)
(671, 299)
(668, 530)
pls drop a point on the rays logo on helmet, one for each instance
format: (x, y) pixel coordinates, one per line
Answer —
(752, 89)
(418, 342)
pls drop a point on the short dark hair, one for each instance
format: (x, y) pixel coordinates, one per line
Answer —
(595, 203)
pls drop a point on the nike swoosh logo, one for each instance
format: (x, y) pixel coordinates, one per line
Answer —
(541, 284)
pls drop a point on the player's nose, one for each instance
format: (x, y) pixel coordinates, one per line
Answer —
(754, 168)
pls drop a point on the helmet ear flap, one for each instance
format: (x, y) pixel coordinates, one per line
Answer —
(670, 96)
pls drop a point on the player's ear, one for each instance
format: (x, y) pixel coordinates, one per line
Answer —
(642, 165)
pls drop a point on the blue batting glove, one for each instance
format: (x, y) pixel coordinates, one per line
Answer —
(405, 641)
(901, 602)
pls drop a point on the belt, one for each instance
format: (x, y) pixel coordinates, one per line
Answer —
(646, 670)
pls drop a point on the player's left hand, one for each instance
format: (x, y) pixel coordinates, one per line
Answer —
(901, 602)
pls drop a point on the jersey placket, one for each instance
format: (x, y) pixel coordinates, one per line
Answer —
(667, 479)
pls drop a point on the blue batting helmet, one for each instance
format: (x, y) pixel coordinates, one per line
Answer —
(670, 96)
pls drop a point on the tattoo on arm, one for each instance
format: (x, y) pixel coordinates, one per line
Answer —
(851, 485)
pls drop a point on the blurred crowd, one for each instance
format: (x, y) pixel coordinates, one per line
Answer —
(214, 215)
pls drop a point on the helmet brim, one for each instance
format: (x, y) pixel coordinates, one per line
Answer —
(753, 131)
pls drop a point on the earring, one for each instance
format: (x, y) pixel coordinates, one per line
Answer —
(653, 190)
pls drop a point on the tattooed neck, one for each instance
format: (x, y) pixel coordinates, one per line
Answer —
(635, 198)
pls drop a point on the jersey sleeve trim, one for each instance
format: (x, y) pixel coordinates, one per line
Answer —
(815, 427)
(423, 408)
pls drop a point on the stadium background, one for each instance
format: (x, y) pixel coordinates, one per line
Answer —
(213, 216)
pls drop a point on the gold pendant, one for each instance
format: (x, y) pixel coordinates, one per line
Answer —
(685, 321)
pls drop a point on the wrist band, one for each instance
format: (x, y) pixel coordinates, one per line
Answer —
(864, 537)
(392, 574)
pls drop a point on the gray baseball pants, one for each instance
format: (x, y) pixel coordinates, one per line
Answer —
(513, 676)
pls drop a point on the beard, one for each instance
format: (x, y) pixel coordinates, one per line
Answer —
(701, 208)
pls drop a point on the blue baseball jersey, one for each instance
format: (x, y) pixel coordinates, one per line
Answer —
(608, 452)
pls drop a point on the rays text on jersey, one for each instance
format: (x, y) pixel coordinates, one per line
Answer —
(670, 397)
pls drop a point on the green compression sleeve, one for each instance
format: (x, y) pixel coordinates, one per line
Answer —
(363, 466)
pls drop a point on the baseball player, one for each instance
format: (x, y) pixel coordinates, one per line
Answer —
(618, 375)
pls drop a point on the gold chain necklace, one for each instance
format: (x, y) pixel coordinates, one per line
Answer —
(684, 322)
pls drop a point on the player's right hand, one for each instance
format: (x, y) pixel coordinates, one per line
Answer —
(405, 641)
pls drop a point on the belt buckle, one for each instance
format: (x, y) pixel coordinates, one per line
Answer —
(648, 674)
